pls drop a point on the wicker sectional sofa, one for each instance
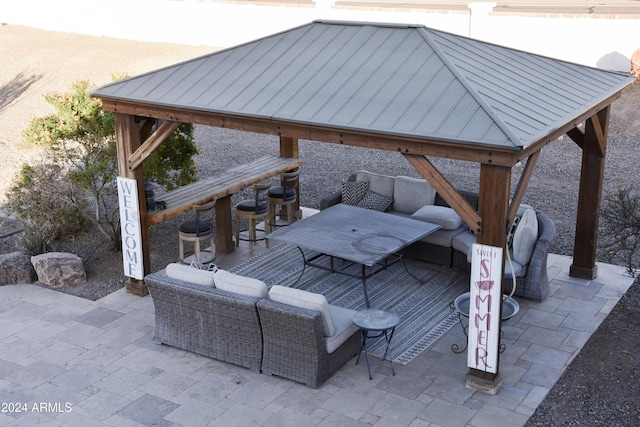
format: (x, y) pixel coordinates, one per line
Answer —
(451, 244)
(255, 332)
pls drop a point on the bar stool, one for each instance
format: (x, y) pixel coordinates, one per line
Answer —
(253, 210)
(284, 196)
(198, 229)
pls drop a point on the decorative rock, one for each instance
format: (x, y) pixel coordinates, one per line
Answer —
(15, 268)
(59, 269)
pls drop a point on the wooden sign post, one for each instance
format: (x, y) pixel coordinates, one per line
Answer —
(484, 309)
(130, 226)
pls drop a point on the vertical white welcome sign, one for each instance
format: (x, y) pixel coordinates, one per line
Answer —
(484, 308)
(130, 226)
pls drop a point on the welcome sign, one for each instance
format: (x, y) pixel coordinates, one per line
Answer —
(130, 226)
(484, 308)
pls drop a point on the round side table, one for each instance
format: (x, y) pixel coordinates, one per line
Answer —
(375, 323)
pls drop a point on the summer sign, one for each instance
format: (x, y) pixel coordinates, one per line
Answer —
(484, 308)
(132, 257)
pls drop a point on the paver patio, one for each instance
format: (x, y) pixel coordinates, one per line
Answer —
(93, 363)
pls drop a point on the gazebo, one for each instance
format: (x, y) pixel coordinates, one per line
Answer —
(405, 88)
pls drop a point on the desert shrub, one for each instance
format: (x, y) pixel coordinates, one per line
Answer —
(620, 229)
(49, 207)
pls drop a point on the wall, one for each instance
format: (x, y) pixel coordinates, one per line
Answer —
(601, 41)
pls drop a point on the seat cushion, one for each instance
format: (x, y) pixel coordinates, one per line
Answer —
(240, 284)
(190, 274)
(443, 237)
(375, 201)
(410, 194)
(250, 206)
(463, 242)
(345, 328)
(445, 217)
(282, 192)
(354, 191)
(305, 299)
(525, 237)
(190, 227)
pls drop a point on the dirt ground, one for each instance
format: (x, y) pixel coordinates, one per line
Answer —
(603, 382)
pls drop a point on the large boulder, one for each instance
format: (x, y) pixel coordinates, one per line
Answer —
(16, 268)
(59, 269)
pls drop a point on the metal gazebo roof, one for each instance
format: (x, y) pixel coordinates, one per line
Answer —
(400, 81)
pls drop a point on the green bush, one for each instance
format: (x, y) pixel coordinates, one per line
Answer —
(80, 159)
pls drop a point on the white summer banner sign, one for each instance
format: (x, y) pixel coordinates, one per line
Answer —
(484, 308)
(130, 226)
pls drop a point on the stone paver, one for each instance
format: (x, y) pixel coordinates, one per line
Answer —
(94, 364)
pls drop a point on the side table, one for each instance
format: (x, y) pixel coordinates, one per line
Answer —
(375, 323)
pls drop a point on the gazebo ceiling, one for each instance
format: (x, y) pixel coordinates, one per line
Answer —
(394, 81)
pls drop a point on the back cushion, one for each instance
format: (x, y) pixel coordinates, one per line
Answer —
(189, 274)
(305, 299)
(410, 194)
(240, 284)
(525, 237)
(381, 184)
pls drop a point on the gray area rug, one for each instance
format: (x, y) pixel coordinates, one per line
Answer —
(423, 307)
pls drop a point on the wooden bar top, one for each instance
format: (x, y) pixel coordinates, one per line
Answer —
(205, 190)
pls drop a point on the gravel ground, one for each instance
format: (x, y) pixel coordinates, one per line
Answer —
(602, 384)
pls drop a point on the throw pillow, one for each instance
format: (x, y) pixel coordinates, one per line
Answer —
(305, 299)
(189, 274)
(375, 201)
(445, 217)
(240, 284)
(354, 191)
(525, 237)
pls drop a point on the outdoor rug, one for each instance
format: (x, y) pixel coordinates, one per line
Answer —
(423, 307)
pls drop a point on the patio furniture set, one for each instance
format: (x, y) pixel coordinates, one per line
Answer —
(451, 244)
(296, 334)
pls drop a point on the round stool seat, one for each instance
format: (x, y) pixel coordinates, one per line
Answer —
(283, 193)
(190, 227)
(250, 206)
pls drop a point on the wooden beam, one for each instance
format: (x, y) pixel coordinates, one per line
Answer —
(601, 140)
(576, 136)
(521, 188)
(158, 137)
(589, 197)
(447, 191)
(506, 156)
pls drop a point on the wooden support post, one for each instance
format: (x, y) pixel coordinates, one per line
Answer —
(127, 141)
(493, 205)
(593, 157)
(224, 241)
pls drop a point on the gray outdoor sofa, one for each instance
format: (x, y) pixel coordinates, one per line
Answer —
(205, 320)
(451, 245)
(255, 332)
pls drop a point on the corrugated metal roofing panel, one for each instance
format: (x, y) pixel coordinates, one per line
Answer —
(389, 79)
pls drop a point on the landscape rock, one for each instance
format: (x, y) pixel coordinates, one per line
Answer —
(15, 267)
(59, 269)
